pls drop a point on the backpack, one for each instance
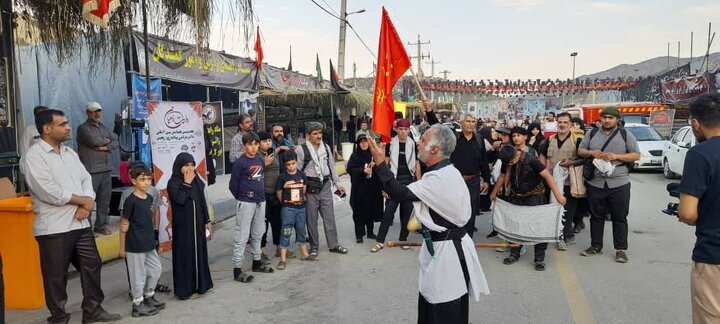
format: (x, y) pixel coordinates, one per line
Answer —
(308, 157)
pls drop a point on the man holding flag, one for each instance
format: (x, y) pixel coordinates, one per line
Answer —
(450, 270)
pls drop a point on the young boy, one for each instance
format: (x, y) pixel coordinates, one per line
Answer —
(291, 193)
(248, 188)
(137, 244)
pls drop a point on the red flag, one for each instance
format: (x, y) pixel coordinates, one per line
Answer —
(258, 49)
(98, 12)
(393, 61)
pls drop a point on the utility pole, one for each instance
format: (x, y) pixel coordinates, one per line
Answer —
(668, 56)
(354, 75)
(678, 53)
(445, 73)
(341, 39)
(341, 42)
(419, 54)
(432, 67)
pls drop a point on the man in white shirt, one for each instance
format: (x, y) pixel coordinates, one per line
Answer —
(63, 197)
(550, 127)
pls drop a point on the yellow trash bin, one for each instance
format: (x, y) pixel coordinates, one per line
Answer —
(21, 257)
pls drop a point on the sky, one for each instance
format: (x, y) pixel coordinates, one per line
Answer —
(481, 39)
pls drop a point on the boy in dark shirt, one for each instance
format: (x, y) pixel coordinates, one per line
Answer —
(700, 207)
(137, 244)
(248, 187)
(522, 177)
(291, 194)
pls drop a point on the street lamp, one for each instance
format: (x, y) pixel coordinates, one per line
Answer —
(341, 41)
(573, 54)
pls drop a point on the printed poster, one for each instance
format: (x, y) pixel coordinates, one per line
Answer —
(174, 127)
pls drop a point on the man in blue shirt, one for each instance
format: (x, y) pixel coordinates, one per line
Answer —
(700, 207)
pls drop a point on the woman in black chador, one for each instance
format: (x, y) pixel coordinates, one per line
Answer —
(190, 220)
(366, 191)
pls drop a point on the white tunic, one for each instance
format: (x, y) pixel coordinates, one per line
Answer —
(441, 279)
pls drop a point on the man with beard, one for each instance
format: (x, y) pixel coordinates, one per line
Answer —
(280, 144)
(700, 207)
(557, 149)
(449, 267)
(609, 192)
(63, 197)
(245, 125)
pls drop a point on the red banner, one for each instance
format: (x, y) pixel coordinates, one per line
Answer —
(685, 89)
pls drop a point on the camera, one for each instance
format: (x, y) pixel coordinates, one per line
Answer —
(673, 190)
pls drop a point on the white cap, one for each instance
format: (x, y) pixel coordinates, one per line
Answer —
(93, 106)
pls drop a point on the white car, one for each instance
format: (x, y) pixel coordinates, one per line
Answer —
(651, 145)
(675, 150)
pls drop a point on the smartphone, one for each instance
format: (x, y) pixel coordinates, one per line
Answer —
(340, 194)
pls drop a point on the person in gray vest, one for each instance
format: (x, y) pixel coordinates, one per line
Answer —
(95, 144)
(319, 168)
(563, 148)
(609, 192)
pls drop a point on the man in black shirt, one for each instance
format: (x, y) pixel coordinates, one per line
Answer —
(700, 207)
(470, 158)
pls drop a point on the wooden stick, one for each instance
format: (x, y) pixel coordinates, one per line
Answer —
(477, 245)
(417, 83)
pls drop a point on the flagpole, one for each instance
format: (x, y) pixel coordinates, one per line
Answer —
(332, 122)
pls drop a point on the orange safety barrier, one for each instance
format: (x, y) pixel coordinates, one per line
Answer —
(20, 254)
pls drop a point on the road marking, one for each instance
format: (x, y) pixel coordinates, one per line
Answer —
(579, 306)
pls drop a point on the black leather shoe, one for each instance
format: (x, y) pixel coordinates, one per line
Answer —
(102, 317)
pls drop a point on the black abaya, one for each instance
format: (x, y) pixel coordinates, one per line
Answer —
(366, 198)
(191, 273)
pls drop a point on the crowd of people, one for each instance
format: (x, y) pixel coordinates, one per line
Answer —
(439, 178)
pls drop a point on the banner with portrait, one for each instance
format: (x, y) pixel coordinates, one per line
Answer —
(175, 127)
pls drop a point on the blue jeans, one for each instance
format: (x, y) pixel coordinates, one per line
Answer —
(292, 218)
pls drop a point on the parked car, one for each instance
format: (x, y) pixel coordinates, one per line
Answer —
(651, 145)
(675, 150)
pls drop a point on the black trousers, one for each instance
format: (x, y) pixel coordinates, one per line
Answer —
(474, 189)
(616, 202)
(389, 215)
(539, 250)
(571, 209)
(273, 218)
(57, 252)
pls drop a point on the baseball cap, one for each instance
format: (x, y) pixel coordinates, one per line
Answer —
(504, 131)
(93, 106)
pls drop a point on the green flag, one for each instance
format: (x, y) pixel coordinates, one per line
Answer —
(318, 69)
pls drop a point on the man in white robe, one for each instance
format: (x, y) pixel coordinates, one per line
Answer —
(449, 267)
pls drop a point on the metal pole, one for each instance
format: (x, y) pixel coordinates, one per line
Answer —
(707, 54)
(678, 59)
(691, 49)
(147, 52)
(341, 41)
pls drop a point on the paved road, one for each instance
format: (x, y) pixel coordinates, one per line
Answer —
(382, 288)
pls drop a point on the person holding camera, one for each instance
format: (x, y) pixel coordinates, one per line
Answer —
(319, 169)
(700, 207)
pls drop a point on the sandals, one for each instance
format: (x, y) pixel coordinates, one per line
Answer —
(244, 277)
(281, 265)
(310, 257)
(378, 246)
(162, 289)
(510, 260)
(539, 266)
(263, 268)
(339, 249)
(288, 254)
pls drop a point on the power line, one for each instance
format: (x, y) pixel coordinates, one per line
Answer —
(348, 23)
